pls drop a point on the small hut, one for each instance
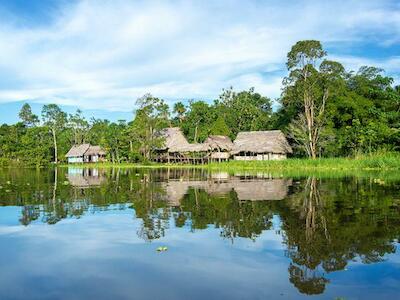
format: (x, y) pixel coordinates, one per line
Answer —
(85, 153)
(261, 145)
(176, 148)
(220, 147)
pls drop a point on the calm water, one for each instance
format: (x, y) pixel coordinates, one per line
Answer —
(94, 234)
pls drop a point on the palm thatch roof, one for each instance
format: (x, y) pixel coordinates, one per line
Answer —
(175, 141)
(95, 150)
(272, 141)
(219, 142)
(77, 150)
(84, 149)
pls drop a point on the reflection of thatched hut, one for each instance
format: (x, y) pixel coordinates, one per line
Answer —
(176, 148)
(220, 146)
(83, 178)
(259, 190)
(252, 189)
(261, 145)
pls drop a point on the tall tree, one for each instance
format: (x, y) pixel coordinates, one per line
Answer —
(179, 110)
(55, 119)
(245, 110)
(304, 83)
(79, 126)
(151, 116)
(27, 116)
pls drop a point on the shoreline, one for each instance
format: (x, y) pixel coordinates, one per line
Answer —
(387, 162)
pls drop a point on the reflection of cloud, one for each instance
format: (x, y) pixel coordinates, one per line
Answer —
(105, 248)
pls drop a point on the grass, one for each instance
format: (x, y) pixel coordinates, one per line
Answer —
(378, 162)
(387, 161)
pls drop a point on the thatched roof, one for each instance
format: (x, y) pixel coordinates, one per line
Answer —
(77, 150)
(175, 141)
(84, 149)
(219, 142)
(273, 141)
(95, 150)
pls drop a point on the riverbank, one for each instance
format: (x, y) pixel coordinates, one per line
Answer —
(378, 162)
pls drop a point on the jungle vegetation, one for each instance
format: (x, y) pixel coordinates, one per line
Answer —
(325, 110)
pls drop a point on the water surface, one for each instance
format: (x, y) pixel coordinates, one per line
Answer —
(93, 234)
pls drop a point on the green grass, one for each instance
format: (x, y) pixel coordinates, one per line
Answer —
(388, 161)
(378, 162)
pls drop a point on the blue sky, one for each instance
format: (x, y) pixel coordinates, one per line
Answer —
(101, 56)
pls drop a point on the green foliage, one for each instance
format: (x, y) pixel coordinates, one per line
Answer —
(151, 116)
(27, 116)
(219, 127)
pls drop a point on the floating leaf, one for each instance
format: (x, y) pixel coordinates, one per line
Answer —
(162, 248)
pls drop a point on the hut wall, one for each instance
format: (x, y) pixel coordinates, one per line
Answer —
(94, 158)
(262, 156)
(239, 157)
(220, 155)
(277, 156)
(75, 160)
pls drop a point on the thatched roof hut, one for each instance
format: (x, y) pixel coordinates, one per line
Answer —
(175, 141)
(85, 153)
(219, 142)
(77, 150)
(259, 142)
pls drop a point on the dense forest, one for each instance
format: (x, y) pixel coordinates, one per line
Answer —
(325, 110)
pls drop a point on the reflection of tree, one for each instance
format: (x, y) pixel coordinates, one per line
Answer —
(149, 207)
(235, 218)
(328, 223)
(313, 210)
(29, 214)
(307, 281)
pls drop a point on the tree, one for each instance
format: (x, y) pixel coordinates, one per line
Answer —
(27, 116)
(197, 121)
(245, 110)
(219, 127)
(79, 126)
(179, 110)
(55, 119)
(304, 82)
(151, 116)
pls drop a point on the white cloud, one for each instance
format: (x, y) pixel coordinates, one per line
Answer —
(105, 54)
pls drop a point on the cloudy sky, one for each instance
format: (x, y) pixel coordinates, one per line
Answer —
(101, 55)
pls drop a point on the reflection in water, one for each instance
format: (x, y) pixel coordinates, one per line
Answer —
(324, 224)
(85, 177)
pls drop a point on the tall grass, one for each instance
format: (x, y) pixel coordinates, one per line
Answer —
(376, 161)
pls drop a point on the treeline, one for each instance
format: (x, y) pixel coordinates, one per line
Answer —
(324, 109)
